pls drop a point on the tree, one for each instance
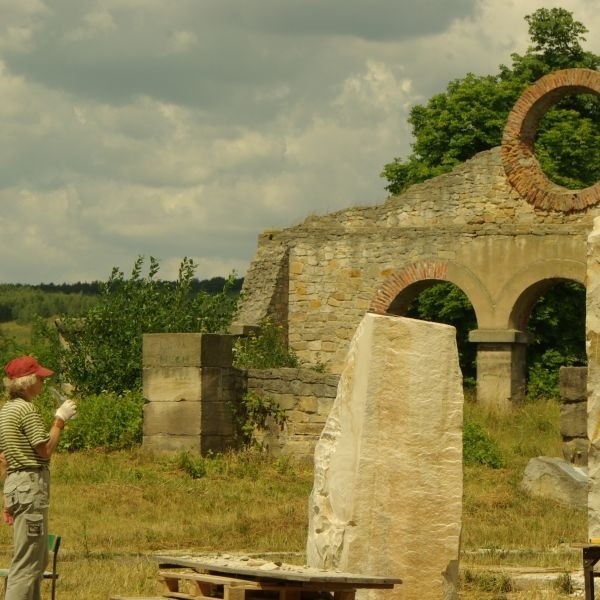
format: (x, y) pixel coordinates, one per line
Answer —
(470, 115)
(104, 348)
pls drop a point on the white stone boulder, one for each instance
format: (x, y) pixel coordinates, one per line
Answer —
(556, 479)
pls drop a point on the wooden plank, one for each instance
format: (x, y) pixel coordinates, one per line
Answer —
(234, 593)
(359, 581)
(209, 578)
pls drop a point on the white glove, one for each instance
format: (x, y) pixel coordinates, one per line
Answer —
(67, 410)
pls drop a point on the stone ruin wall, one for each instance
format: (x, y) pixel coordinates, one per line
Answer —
(306, 396)
(338, 263)
(189, 385)
(573, 414)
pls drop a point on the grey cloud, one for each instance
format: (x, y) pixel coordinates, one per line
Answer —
(239, 48)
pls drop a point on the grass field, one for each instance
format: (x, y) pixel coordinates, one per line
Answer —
(115, 509)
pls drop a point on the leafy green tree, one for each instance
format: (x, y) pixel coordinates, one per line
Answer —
(446, 303)
(559, 337)
(470, 115)
(104, 349)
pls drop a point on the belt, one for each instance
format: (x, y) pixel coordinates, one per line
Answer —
(24, 469)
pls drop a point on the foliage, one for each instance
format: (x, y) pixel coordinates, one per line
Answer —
(470, 115)
(24, 304)
(558, 334)
(104, 351)
(479, 447)
(559, 337)
(446, 303)
(253, 413)
(107, 421)
(194, 466)
(266, 349)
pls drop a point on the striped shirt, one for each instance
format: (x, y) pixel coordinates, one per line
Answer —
(21, 430)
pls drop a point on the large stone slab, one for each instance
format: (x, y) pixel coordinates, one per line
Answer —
(387, 494)
(592, 325)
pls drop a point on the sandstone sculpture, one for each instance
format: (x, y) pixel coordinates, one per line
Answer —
(387, 495)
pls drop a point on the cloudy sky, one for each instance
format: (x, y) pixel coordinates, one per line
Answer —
(186, 127)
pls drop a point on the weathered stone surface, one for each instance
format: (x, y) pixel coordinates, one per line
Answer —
(556, 479)
(172, 384)
(573, 419)
(387, 495)
(592, 324)
(572, 383)
(187, 350)
(182, 418)
(171, 443)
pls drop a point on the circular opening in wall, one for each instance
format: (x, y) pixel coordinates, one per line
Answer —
(567, 144)
(525, 148)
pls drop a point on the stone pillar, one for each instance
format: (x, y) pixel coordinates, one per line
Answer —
(188, 382)
(501, 366)
(387, 494)
(573, 414)
(592, 325)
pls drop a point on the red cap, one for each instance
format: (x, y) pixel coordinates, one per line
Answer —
(25, 365)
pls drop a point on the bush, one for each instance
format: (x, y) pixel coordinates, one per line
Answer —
(253, 412)
(107, 421)
(479, 447)
(265, 350)
(104, 350)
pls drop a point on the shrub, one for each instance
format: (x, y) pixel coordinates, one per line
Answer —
(265, 350)
(107, 421)
(479, 447)
(252, 413)
(104, 350)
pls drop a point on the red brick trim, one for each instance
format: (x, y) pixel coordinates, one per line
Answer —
(395, 283)
(520, 164)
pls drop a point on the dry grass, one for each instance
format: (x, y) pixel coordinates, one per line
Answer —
(115, 509)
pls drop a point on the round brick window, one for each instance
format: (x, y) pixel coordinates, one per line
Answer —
(520, 164)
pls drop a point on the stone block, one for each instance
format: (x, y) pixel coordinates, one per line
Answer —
(173, 418)
(172, 384)
(171, 443)
(187, 350)
(573, 419)
(217, 419)
(388, 465)
(575, 451)
(572, 383)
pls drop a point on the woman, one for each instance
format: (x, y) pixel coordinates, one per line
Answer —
(27, 447)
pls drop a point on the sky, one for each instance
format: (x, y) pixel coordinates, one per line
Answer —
(185, 128)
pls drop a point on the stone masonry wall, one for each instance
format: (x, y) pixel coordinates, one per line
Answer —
(306, 396)
(339, 262)
(573, 414)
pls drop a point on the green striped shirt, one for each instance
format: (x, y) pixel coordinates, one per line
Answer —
(21, 430)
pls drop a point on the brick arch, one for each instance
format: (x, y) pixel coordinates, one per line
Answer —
(520, 164)
(427, 270)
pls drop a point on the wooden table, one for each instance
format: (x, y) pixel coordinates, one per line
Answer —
(211, 579)
(591, 555)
